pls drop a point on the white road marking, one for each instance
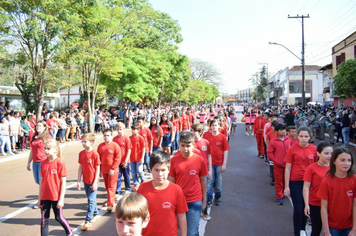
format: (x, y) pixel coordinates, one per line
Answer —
(29, 206)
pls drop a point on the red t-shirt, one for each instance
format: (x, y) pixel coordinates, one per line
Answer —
(124, 144)
(203, 146)
(191, 119)
(187, 172)
(271, 135)
(110, 157)
(300, 158)
(51, 123)
(137, 145)
(176, 123)
(218, 145)
(37, 149)
(185, 121)
(51, 173)
(164, 206)
(154, 135)
(196, 151)
(314, 174)
(89, 161)
(147, 137)
(223, 131)
(340, 194)
(165, 129)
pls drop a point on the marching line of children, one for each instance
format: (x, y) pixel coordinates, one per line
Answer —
(319, 180)
(194, 170)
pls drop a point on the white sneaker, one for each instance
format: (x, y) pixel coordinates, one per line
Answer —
(302, 233)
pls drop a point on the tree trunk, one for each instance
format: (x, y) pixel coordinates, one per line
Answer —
(91, 110)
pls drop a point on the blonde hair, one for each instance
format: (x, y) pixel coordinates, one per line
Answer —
(120, 125)
(89, 136)
(54, 144)
(132, 205)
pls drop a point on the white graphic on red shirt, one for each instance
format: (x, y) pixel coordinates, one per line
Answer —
(53, 171)
(204, 148)
(311, 157)
(122, 144)
(166, 205)
(350, 193)
(217, 143)
(89, 160)
(110, 151)
(192, 172)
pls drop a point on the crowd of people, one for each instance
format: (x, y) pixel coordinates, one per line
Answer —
(319, 179)
(184, 152)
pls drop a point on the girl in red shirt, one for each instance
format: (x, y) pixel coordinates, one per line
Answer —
(157, 134)
(297, 159)
(178, 126)
(337, 194)
(52, 187)
(312, 179)
(168, 133)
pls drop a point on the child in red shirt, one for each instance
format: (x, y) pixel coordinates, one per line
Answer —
(185, 120)
(337, 193)
(203, 146)
(312, 179)
(110, 156)
(125, 149)
(168, 133)
(219, 154)
(157, 134)
(137, 156)
(52, 187)
(297, 159)
(178, 127)
(147, 136)
(131, 214)
(165, 199)
(189, 172)
(292, 133)
(89, 168)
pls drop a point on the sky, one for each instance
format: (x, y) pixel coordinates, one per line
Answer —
(234, 34)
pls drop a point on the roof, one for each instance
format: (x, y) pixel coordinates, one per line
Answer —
(306, 68)
(327, 67)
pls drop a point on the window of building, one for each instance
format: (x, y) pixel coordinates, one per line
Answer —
(296, 86)
(340, 59)
(15, 103)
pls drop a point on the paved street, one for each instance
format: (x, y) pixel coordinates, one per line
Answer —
(248, 201)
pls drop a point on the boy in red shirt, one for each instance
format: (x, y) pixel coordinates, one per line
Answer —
(185, 120)
(219, 153)
(137, 156)
(203, 146)
(292, 134)
(258, 133)
(89, 168)
(147, 136)
(191, 116)
(277, 150)
(188, 170)
(165, 199)
(125, 147)
(110, 159)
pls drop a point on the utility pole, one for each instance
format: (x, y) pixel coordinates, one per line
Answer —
(303, 62)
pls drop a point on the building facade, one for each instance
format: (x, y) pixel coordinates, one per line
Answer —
(343, 51)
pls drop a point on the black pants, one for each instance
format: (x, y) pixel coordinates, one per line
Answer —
(339, 134)
(45, 213)
(299, 219)
(316, 220)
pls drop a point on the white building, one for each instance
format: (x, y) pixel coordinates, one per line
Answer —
(286, 85)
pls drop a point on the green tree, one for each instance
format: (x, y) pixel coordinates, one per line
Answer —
(345, 79)
(33, 31)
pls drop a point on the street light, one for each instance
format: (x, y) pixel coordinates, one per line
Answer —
(303, 69)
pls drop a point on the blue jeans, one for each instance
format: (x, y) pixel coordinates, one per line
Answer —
(5, 141)
(147, 161)
(137, 169)
(92, 206)
(215, 181)
(346, 135)
(51, 132)
(176, 142)
(299, 219)
(155, 149)
(126, 173)
(339, 232)
(193, 216)
(36, 167)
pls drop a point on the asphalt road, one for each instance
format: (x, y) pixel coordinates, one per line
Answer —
(248, 201)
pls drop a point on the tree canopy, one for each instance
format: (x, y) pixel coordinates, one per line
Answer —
(345, 79)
